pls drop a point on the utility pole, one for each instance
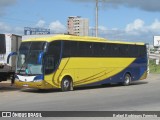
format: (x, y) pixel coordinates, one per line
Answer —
(96, 20)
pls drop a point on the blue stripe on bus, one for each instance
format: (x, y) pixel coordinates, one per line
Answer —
(134, 69)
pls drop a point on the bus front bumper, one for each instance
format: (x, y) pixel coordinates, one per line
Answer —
(39, 85)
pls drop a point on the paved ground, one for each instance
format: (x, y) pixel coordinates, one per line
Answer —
(142, 95)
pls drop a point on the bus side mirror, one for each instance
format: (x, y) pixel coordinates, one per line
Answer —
(10, 55)
(40, 57)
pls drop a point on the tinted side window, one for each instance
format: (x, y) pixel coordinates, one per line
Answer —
(112, 50)
(132, 51)
(77, 49)
(52, 58)
(99, 49)
(49, 64)
(85, 49)
(142, 51)
(95, 49)
(54, 48)
(70, 48)
(123, 50)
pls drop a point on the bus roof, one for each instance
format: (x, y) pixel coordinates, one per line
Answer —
(79, 38)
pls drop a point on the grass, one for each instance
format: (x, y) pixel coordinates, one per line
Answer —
(153, 67)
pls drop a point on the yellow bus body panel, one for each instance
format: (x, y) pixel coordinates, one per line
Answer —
(87, 70)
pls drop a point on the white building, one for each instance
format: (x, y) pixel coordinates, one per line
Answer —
(78, 26)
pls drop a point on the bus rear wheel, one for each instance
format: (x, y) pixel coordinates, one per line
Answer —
(127, 80)
(66, 84)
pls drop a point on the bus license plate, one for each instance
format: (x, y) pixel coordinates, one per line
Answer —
(25, 85)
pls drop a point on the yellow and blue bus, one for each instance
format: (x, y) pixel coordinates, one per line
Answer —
(67, 61)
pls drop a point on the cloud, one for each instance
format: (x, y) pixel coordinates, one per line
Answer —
(102, 28)
(4, 27)
(135, 27)
(136, 31)
(41, 23)
(138, 27)
(57, 27)
(155, 26)
(147, 5)
(4, 4)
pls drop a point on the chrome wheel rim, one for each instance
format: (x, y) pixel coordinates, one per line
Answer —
(66, 84)
(127, 79)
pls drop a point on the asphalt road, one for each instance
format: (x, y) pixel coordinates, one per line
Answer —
(140, 96)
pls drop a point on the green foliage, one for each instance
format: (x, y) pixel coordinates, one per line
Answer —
(153, 67)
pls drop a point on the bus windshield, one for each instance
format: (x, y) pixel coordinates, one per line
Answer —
(28, 58)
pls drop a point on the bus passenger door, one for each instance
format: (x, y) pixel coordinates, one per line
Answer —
(49, 68)
(52, 61)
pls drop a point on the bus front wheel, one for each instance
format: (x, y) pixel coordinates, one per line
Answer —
(66, 84)
(127, 79)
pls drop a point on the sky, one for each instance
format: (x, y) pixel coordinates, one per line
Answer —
(125, 20)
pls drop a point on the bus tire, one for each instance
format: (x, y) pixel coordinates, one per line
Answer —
(66, 84)
(127, 80)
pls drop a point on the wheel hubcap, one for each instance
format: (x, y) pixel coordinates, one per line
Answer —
(66, 83)
(127, 79)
